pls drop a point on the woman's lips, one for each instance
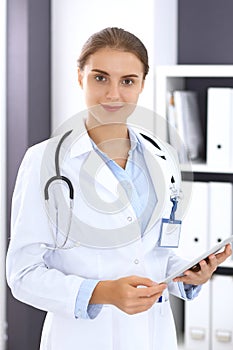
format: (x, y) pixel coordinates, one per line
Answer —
(112, 108)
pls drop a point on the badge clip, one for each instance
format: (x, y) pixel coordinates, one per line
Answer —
(170, 228)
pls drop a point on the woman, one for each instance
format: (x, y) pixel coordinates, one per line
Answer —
(99, 284)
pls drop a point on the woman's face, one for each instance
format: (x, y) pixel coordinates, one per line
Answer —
(111, 79)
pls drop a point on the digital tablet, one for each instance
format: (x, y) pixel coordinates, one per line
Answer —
(194, 264)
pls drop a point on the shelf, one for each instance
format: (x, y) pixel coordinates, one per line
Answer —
(225, 269)
(204, 168)
(190, 77)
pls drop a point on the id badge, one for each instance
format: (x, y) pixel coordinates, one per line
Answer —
(169, 233)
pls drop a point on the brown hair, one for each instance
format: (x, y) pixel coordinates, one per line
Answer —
(114, 38)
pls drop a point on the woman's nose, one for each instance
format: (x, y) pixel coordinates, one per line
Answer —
(113, 92)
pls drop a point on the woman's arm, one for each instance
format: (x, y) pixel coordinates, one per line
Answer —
(131, 294)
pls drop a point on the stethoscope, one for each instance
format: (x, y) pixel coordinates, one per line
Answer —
(61, 178)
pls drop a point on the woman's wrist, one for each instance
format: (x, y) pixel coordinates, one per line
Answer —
(102, 293)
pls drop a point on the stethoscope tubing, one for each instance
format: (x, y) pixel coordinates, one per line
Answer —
(58, 175)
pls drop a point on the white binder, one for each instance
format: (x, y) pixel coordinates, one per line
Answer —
(194, 232)
(222, 313)
(197, 321)
(220, 127)
(220, 213)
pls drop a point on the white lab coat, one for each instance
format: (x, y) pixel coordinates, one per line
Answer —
(50, 279)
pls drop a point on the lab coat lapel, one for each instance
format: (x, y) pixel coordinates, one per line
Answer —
(104, 181)
(157, 167)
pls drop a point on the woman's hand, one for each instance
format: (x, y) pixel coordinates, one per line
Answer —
(207, 268)
(131, 294)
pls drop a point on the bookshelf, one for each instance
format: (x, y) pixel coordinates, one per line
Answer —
(191, 77)
(209, 182)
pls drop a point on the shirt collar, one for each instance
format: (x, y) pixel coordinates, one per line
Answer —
(135, 141)
(84, 144)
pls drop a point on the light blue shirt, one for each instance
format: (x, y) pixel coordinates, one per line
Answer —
(137, 183)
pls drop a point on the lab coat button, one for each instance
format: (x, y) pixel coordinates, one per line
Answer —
(136, 261)
(129, 218)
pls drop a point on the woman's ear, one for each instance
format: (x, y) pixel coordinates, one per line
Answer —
(80, 78)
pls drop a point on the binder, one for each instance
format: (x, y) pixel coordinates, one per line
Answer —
(197, 321)
(175, 132)
(172, 123)
(219, 127)
(220, 213)
(188, 122)
(194, 232)
(222, 313)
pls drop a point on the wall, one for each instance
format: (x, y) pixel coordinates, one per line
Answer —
(205, 32)
(2, 171)
(165, 32)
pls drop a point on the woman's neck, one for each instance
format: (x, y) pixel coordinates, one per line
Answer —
(112, 139)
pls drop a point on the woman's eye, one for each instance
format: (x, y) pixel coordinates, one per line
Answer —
(100, 78)
(127, 82)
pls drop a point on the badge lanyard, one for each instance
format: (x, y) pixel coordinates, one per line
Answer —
(170, 228)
